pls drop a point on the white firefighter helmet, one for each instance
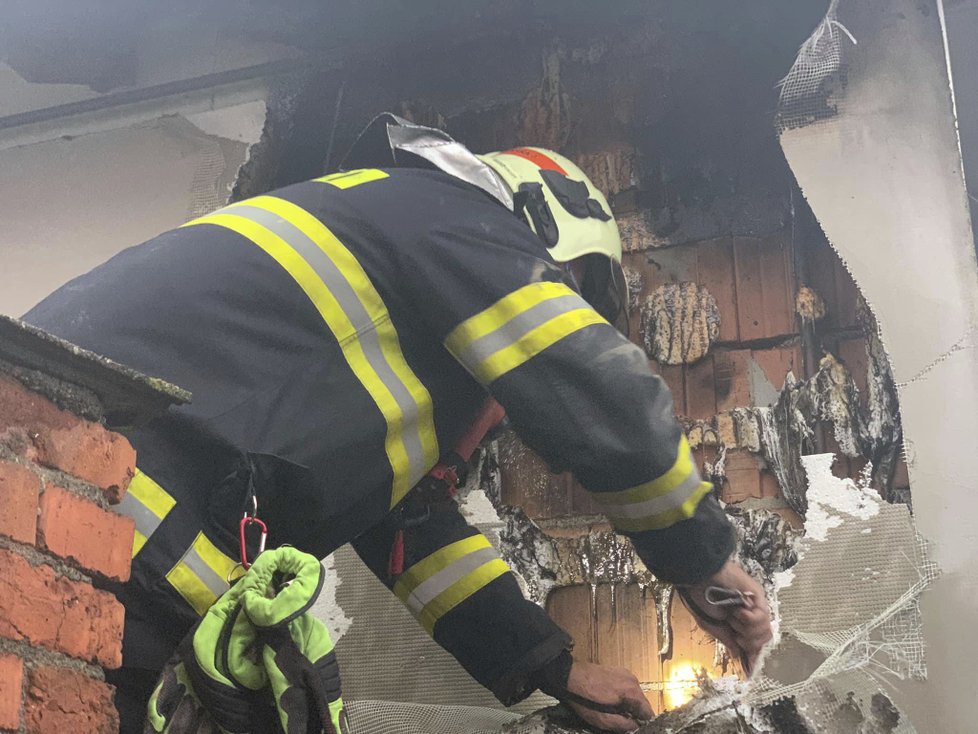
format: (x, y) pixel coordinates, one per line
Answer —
(572, 218)
(580, 221)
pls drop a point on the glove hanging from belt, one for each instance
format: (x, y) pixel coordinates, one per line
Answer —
(257, 662)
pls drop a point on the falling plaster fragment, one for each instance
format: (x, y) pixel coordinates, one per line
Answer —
(762, 392)
(680, 321)
(326, 607)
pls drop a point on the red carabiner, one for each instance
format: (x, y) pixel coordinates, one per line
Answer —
(245, 522)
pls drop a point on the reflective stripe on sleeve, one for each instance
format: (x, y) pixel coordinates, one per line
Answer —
(202, 574)
(147, 503)
(356, 315)
(440, 582)
(517, 328)
(349, 179)
(661, 502)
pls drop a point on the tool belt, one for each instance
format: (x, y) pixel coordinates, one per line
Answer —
(257, 661)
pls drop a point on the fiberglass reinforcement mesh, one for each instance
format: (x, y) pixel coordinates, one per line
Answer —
(808, 91)
(851, 603)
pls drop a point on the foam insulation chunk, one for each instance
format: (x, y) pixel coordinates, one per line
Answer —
(680, 321)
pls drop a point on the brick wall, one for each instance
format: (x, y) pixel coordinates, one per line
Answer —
(59, 473)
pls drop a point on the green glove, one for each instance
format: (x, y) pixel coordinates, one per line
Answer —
(257, 661)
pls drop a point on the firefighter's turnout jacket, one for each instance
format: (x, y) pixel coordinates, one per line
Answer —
(337, 335)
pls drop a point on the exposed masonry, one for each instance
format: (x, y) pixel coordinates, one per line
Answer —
(60, 470)
(544, 562)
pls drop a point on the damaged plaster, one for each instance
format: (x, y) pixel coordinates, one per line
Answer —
(884, 179)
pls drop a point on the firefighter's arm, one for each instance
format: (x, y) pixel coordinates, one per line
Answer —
(464, 595)
(576, 391)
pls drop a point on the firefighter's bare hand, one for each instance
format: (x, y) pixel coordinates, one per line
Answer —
(615, 686)
(745, 630)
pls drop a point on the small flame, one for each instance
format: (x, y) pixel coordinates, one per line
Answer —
(682, 684)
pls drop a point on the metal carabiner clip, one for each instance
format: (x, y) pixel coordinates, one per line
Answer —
(721, 596)
(247, 520)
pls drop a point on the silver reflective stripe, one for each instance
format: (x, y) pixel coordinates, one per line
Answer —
(146, 520)
(205, 573)
(672, 499)
(517, 327)
(348, 300)
(442, 580)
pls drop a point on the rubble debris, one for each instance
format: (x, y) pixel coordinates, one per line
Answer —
(785, 431)
(767, 544)
(680, 321)
(809, 305)
(715, 709)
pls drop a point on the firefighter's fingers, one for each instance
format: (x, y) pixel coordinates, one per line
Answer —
(611, 686)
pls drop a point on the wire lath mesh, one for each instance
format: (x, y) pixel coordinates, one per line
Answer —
(811, 89)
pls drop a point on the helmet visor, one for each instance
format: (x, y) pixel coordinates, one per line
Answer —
(604, 287)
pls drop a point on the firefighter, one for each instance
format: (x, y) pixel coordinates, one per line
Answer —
(337, 336)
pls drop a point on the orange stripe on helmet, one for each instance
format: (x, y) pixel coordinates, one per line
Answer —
(536, 157)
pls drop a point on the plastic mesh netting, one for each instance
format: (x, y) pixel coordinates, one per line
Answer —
(809, 91)
(389, 717)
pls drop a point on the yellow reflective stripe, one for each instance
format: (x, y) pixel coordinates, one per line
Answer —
(345, 331)
(460, 591)
(443, 580)
(667, 518)
(517, 328)
(530, 345)
(660, 503)
(150, 494)
(350, 179)
(501, 312)
(675, 476)
(440, 559)
(147, 504)
(202, 574)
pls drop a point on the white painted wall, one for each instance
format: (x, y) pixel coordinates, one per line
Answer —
(884, 179)
(75, 191)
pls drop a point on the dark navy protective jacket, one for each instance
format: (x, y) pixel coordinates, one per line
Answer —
(337, 336)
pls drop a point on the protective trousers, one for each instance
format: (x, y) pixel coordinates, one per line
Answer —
(257, 662)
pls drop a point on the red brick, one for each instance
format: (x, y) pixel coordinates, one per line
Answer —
(19, 488)
(528, 483)
(673, 374)
(769, 485)
(701, 391)
(765, 302)
(61, 700)
(61, 440)
(715, 272)
(46, 609)
(11, 686)
(778, 280)
(901, 475)
(732, 382)
(95, 539)
(848, 294)
(743, 477)
(777, 363)
(582, 501)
